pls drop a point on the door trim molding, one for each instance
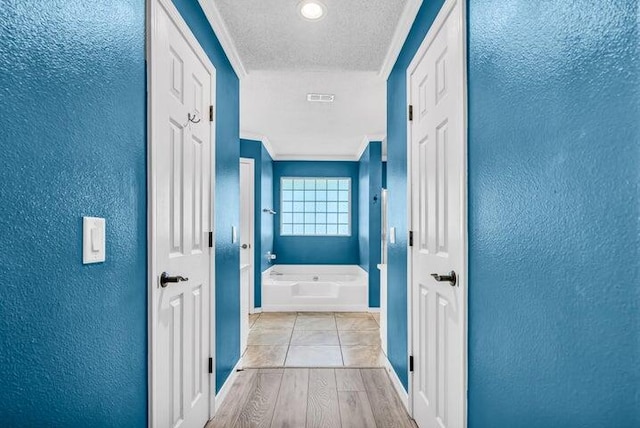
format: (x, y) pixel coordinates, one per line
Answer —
(152, 8)
(252, 249)
(461, 17)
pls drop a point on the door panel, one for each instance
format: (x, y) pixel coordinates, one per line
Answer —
(181, 172)
(438, 164)
(247, 212)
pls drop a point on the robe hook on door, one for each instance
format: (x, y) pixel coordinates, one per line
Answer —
(191, 119)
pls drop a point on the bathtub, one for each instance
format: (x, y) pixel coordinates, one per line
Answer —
(333, 288)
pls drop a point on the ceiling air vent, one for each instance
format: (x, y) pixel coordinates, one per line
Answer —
(320, 98)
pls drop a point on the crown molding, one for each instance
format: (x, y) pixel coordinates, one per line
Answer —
(223, 35)
(327, 158)
(400, 36)
(248, 135)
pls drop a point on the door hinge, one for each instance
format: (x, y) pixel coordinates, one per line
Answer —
(210, 239)
(211, 113)
(411, 363)
(411, 238)
(210, 365)
(410, 113)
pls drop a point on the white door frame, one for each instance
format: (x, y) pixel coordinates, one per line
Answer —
(252, 218)
(152, 7)
(429, 38)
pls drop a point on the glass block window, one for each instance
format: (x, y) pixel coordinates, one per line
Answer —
(315, 206)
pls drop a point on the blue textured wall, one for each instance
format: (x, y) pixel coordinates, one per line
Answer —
(227, 199)
(397, 186)
(316, 249)
(268, 220)
(370, 216)
(554, 167)
(263, 198)
(72, 136)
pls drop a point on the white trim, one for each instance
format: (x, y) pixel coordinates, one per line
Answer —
(292, 307)
(252, 238)
(400, 36)
(374, 310)
(248, 135)
(257, 311)
(328, 158)
(222, 394)
(443, 14)
(224, 37)
(397, 385)
(152, 270)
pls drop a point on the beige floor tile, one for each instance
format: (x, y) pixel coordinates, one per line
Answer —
(278, 315)
(360, 337)
(356, 324)
(274, 322)
(266, 336)
(376, 316)
(314, 356)
(314, 337)
(264, 356)
(353, 315)
(363, 356)
(252, 319)
(315, 315)
(315, 323)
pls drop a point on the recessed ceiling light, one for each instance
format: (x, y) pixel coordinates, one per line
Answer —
(312, 10)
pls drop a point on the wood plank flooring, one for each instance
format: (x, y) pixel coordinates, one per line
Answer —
(312, 397)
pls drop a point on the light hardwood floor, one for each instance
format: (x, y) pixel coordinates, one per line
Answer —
(312, 397)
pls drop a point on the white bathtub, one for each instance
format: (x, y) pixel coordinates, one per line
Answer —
(315, 288)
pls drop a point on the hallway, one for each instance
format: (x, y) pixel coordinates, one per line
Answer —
(316, 397)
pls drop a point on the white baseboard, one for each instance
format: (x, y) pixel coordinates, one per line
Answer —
(221, 395)
(395, 381)
(256, 311)
(314, 308)
(374, 310)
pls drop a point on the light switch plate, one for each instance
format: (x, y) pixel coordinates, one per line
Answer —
(93, 240)
(392, 235)
(234, 235)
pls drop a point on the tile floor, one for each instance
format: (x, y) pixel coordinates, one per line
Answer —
(313, 339)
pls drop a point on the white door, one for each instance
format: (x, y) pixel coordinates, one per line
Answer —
(246, 247)
(438, 200)
(181, 168)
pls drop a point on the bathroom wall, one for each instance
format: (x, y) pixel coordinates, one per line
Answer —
(72, 134)
(317, 249)
(370, 214)
(263, 227)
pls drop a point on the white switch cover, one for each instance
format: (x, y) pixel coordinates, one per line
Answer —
(392, 235)
(93, 240)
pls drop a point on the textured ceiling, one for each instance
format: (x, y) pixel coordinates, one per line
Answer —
(271, 34)
(274, 105)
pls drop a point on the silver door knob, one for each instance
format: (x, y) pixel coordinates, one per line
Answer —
(165, 279)
(451, 278)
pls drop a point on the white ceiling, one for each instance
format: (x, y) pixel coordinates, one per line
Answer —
(274, 105)
(281, 57)
(271, 34)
